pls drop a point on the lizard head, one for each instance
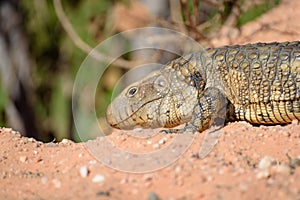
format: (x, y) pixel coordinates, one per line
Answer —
(164, 98)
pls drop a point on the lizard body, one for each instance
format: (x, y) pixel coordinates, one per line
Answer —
(258, 83)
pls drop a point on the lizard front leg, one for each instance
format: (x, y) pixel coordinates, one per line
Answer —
(209, 111)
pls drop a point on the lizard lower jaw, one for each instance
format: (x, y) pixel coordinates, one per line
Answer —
(114, 121)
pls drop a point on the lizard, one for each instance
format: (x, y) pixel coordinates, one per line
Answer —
(258, 83)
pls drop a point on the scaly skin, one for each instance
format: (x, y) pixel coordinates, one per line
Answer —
(258, 83)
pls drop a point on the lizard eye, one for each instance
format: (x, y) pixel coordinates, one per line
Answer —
(132, 91)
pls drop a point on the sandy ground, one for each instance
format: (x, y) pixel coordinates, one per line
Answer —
(248, 162)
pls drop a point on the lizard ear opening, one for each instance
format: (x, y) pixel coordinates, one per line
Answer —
(132, 91)
(160, 83)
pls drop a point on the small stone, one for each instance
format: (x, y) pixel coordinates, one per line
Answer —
(99, 178)
(209, 178)
(103, 193)
(287, 134)
(123, 181)
(263, 174)
(65, 141)
(35, 152)
(44, 180)
(138, 129)
(295, 122)
(80, 155)
(295, 162)
(57, 183)
(162, 141)
(177, 169)
(153, 196)
(31, 139)
(270, 181)
(266, 162)
(148, 177)
(149, 142)
(23, 159)
(84, 171)
(92, 162)
(38, 160)
(156, 146)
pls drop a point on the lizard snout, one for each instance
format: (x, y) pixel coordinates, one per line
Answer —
(110, 117)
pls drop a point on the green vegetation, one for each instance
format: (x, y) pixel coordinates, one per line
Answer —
(256, 11)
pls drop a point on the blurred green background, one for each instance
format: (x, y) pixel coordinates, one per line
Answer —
(39, 59)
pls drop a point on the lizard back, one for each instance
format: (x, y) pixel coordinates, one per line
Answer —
(261, 80)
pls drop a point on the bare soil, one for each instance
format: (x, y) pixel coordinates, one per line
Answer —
(249, 162)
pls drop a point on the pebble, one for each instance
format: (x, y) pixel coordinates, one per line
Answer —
(44, 180)
(266, 162)
(98, 178)
(38, 160)
(270, 181)
(23, 159)
(138, 129)
(209, 178)
(92, 162)
(286, 133)
(162, 141)
(153, 196)
(263, 174)
(57, 183)
(147, 177)
(123, 181)
(65, 141)
(260, 135)
(31, 139)
(84, 171)
(177, 169)
(156, 146)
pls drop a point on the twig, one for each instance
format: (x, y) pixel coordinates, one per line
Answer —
(213, 3)
(84, 46)
(175, 9)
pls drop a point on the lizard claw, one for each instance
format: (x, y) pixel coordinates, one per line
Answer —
(172, 131)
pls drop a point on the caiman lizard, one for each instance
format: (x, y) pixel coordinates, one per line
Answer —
(258, 83)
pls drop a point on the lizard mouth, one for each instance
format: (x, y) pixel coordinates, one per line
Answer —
(126, 117)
